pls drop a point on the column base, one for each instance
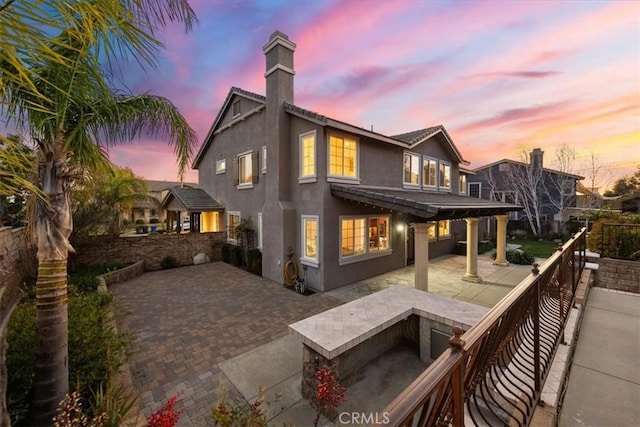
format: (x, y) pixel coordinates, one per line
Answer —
(501, 263)
(472, 278)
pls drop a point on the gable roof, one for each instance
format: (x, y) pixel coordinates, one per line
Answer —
(193, 199)
(234, 91)
(516, 162)
(405, 140)
(156, 185)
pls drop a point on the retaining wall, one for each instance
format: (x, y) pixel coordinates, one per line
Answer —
(150, 249)
(618, 274)
(17, 259)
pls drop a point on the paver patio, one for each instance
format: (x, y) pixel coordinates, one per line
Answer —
(187, 320)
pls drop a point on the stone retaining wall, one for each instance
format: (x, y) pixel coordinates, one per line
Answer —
(151, 249)
(17, 259)
(618, 274)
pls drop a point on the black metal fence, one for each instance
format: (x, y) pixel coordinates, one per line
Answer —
(493, 373)
(620, 241)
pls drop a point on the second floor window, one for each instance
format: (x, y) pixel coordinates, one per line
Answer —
(411, 169)
(462, 184)
(474, 190)
(221, 166)
(445, 176)
(308, 155)
(343, 157)
(246, 169)
(429, 167)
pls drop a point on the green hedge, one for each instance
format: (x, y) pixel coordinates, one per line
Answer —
(254, 261)
(94, 350)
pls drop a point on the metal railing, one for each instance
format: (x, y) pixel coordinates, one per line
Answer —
(619, 240)
(493, 373)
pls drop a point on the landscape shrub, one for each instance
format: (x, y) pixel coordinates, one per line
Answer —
(154, 221)
(236, 256)
(226, 252)
(94, 350)
(168, 262)
(139, 221)
(517, 256)
(254, 261)
(618, 242)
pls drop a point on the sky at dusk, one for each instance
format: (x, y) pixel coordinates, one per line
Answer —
(501, 76)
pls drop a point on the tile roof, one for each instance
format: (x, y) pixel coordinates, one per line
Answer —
(423, 204)
(193, 199)
(416, 135)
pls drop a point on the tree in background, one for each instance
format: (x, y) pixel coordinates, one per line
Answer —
(16, 159)
(54, 87)
(627, 192)
(561, 183)
(526, 181)
(100, 199)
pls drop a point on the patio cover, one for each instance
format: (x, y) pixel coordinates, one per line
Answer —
(431, 206)
(192, 200)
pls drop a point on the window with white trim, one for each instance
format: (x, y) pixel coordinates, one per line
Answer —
(364, 235)
(475, 190)
(343, 157)
(221, 166)
(264, 159)
(308, 157)
(429, 167)
(259, 230)
(462, 183)
(444, 180)
(411, 175)
(246, 169)
(444, 229)
(233, 221)
(309, 240)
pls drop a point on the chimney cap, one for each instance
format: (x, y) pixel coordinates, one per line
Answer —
(279, 38)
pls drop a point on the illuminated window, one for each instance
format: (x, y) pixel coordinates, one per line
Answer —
(429, 172)
(443, 229)
(343, 157)
(353, 237)
(233, 220)
(378, 233)
(308, 156)
(445, 176)
(462, 184)
(310, 239)
(411, 169)
(362, 235)
(221, 166)
(263, 168)
(431, 231)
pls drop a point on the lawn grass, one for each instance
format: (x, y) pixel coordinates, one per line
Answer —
(537, 248)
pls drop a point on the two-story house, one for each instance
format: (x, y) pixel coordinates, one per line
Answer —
(545, 193)
(343, 202)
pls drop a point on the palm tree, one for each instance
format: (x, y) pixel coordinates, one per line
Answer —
(57, 91)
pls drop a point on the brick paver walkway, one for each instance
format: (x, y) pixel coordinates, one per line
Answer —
(187, 320)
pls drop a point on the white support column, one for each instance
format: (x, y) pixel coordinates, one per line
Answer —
(472, 251)
(421, 257)
(501, 240)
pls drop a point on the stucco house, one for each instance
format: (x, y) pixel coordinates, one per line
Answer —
(343, 202)
(147, 209)
(519, 182)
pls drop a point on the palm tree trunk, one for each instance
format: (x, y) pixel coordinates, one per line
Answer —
(7, 306)
(53, 226)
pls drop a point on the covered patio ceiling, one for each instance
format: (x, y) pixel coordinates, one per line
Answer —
(421, 204)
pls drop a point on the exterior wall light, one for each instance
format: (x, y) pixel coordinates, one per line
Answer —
(400, 227)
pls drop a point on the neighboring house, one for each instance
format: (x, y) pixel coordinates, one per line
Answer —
(343, 202)
(145, 210)
(193, 209)
(525, 184)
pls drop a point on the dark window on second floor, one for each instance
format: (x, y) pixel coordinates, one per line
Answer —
(474, 189)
